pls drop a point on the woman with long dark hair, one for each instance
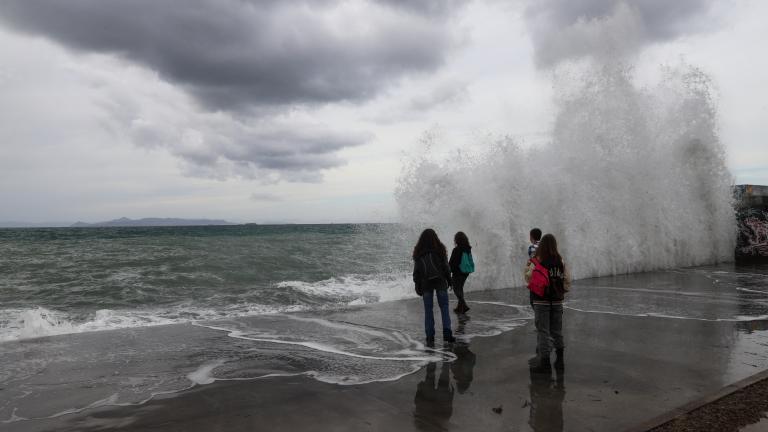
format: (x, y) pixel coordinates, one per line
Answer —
(432, 275)
(548, 285)
(461, 266)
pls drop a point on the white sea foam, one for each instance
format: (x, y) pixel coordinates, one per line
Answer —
(362, 289)
(329, 378)
(338, 352)
(523, 308)
(203, 374)
(111, 400)
(40, 322)
(16, 324)
(658, 291)
(406, 349)
(736, 318)
(752, 290)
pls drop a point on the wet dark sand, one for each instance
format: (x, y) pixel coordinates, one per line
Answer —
(621, 370)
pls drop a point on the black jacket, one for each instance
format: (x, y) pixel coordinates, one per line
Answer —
(425, 265)
(455, 261)
(556, 268)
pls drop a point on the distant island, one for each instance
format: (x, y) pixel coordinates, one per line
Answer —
(152, 222)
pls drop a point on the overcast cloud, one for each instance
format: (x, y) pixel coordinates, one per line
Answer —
(258, 62)
(569, 29)
(234, 54)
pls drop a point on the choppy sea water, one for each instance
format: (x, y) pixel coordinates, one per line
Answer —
(253, 302)
(67, 280)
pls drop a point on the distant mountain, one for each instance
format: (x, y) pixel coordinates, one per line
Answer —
(148, 222)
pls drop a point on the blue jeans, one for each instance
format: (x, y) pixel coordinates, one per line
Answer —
(429, 318)
(549, 327)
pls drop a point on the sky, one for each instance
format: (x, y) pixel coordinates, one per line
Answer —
(303, 111)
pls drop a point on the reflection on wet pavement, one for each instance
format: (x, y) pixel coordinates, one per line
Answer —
(546, 404)
(434, 395)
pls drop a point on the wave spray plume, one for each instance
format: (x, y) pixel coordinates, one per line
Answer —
(634, 179)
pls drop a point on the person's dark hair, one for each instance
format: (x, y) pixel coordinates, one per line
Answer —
(547, 249)
(536, 234)
(428, 241)
(461, 240)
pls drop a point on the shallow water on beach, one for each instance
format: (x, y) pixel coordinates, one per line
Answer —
(725, 307)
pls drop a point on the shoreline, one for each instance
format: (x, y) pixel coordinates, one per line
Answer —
(291, 309)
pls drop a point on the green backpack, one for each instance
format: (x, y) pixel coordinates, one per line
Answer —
(467, 264)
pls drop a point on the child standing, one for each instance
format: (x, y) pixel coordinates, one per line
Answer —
(534, 237)
(459, 275)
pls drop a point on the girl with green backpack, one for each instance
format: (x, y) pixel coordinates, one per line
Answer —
(462, 265)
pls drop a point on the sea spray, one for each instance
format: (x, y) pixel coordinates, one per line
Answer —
(634, 179)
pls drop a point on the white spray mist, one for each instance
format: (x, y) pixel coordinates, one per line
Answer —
(634, 179)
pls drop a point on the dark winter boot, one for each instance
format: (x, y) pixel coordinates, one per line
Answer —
(540, 365)
(560, 360)
(464, 307)
(448, 336)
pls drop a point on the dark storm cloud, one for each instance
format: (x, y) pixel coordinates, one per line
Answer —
(292, 150)
(251, 62)
(233, 54)
(563, 29)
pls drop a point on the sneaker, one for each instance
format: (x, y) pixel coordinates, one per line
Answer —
(449, 338)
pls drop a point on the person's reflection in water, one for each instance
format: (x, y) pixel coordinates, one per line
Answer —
(547, 397)
(434, 404)
(462, 325)
(464, 365)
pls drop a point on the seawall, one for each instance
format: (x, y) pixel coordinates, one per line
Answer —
(751, 203)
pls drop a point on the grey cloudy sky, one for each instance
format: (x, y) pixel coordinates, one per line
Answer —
(301, 110)
(563, 29)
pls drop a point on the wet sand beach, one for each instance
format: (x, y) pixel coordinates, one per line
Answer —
(623, 366)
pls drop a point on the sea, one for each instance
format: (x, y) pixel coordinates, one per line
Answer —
(94, 317)
(69, 280)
